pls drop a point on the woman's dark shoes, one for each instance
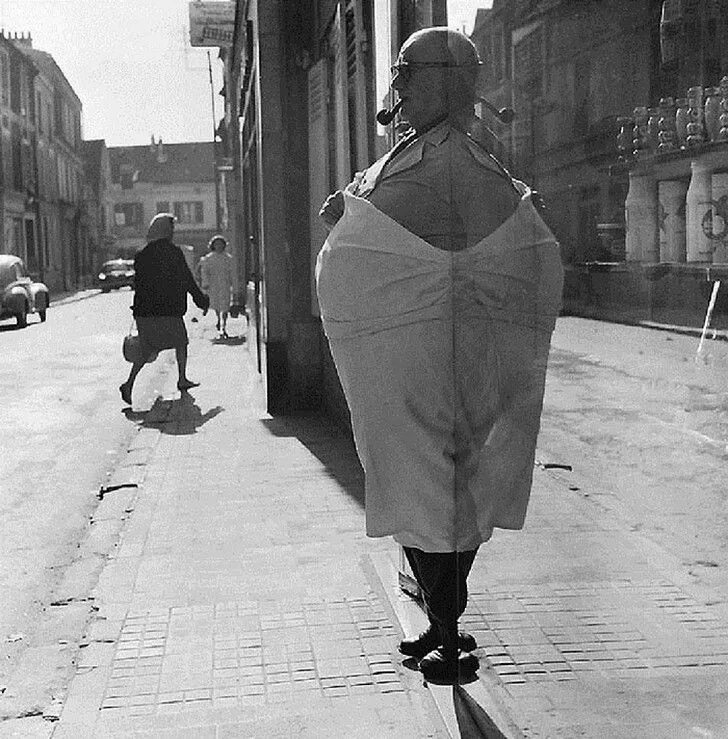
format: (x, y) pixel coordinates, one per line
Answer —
(448, 667)
(186, 385)
(125, 391)
(430, 639)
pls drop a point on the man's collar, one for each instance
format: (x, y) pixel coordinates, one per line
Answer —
(437, 134)
(407, 153)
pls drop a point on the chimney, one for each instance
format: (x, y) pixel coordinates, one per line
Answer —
(153, 145)
(22, 39)
(161, 153)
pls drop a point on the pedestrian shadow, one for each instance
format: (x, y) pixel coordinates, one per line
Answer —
(229, 341)
(14, 326)
(473, 720)
(331, 445)
(178, 417)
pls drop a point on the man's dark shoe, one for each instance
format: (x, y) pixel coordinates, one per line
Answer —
(448, 667)
(430, 639)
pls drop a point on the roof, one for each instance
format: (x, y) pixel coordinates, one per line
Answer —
(186, 162)
(47, 65)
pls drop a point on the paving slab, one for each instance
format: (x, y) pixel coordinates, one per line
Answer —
(244, 600)
(589, 629)
(238, 600)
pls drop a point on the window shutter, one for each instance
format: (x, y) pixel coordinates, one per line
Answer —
(356, 73)
(318, 164)
(340, 118)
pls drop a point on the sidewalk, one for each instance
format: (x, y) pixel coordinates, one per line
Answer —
(240, 601)
(243, 599)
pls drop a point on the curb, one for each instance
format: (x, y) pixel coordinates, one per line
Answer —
(472, 710)
(66, 298)
(37, 690)
(626, 320)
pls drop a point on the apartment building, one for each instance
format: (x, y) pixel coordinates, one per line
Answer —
(159, 177)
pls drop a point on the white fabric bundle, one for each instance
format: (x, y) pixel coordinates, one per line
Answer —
(442, 357)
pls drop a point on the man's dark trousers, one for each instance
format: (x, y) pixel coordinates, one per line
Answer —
(442, 577)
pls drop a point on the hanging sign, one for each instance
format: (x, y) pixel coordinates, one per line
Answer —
(212, 23)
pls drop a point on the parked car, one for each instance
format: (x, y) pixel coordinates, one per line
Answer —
(19, 294)
(116, 273)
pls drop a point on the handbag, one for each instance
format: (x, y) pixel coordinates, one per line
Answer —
(131, 347)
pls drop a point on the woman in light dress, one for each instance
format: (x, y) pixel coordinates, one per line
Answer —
(216, 271)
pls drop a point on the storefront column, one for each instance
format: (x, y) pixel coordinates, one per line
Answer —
(671, 196)
(642, 242)
(698, 214)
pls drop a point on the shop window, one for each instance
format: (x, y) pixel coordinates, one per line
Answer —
(189, 211)
(128, 214)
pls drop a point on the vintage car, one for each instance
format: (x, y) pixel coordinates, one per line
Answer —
(116, 273)
(19, 294)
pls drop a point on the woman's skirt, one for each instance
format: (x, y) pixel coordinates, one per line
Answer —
(161, 332)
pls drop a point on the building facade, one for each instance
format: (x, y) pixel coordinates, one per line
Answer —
(97, 201)
(593, 85)
(303, 82)
(18, 131)
(60, 216)
(158, 178)
(568, 70)
(41, 177)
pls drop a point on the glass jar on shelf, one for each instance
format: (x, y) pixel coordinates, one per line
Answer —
(711, 112)
(666, 137)
(640, 141)
(723, 117)
(681, 120)
(695, 127)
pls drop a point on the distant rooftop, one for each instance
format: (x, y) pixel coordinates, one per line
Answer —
(44, 61)
(162, 163)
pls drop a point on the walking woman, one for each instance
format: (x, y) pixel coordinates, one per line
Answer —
(216, 272)
(161, 283)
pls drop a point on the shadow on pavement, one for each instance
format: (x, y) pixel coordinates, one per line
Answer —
(332, 446)
(229, 341)
(175, 417)
(14, 326)
(472, 720)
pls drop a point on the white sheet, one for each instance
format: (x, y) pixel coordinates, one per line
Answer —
(442, 357)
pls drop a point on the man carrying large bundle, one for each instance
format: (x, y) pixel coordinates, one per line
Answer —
(439, 287)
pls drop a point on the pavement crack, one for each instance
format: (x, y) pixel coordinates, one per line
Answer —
(68, 601)
(113, 488)
(555, 466)
(704, 563)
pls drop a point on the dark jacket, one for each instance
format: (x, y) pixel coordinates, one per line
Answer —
(162, 280)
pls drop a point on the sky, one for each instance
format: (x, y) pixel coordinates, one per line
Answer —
(461, 13)
(131, 64)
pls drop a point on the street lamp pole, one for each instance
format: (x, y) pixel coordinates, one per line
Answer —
(214, 145)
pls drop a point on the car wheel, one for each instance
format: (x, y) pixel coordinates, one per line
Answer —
(22, 317)
(42, 314)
